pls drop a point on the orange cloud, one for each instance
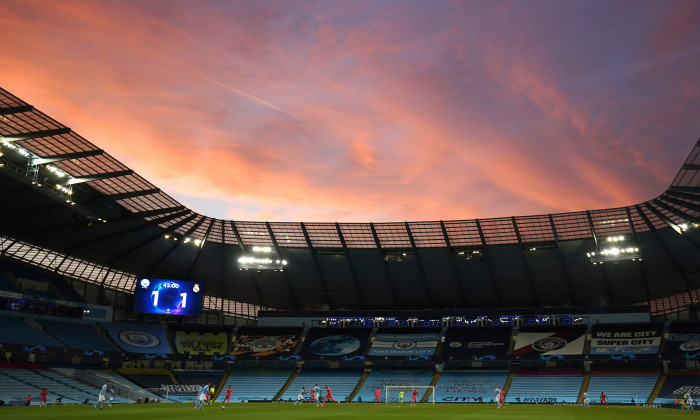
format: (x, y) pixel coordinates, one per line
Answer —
(346, 113)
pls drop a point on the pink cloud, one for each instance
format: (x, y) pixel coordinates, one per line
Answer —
(340, 113)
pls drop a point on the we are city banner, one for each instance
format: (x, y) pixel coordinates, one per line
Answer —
(683, 340)
(404, 344)
(207, 343)
(620, 339)
(266, 343)
(484, 343)
(550, 342)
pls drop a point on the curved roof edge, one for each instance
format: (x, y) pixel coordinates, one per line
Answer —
(90, 172)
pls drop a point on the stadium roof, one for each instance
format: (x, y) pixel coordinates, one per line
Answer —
(68, 206)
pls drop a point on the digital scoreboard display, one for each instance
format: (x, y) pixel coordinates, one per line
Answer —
(168, 297)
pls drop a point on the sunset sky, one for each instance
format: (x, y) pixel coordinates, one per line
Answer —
(371, 111)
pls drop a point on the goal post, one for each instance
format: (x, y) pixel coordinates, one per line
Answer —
(391, 393)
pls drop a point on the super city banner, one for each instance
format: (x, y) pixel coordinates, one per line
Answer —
(626, 339)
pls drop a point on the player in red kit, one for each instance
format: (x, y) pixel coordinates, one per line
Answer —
(329, 396)
(603, 399)
(227, 400)
(377, 396)
(42, 397)
(414, 396)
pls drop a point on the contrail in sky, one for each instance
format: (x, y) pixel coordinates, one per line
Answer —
(246, 94)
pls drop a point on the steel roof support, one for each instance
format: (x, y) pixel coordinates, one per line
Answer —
(177, 243)
(691, 206)
(667, 251)
(16, 109)
(692, 197)
(455, 272)
(97, 177)
(496, 286)
(226, 256)
(123, 232)
(151, 213)
(668, 222)
(634, 238)
(130, 194)
(201, 247)
(680, 189)
(673, 210)
(524, 259)
(353, 272)
(261, 298)
(325, 292)
(397, 304)
(147, 241)
(66, 156)
(285, 273)
(605, 275)
(421, 269)
(35, 134)
(569, 288)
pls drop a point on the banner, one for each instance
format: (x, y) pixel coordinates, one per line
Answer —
(675, 386)
(404, 344)
(265, 343)
(468, 387)
(138, 338)
(683, 340)
(335, 344)
(476, 343)
(208, 343)
(626, 339)
(549, 342)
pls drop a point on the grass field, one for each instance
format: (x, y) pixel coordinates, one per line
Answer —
(286, 411)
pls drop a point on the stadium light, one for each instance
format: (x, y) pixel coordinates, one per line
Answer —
(614, 249)
(269, 261)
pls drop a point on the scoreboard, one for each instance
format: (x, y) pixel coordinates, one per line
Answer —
(168, 297)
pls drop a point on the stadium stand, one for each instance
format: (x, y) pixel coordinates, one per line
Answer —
(128, 388)
(256, 384)
(381, 378)
(676, 384)
(17, 381)
(545, 387)
(18, 331)
(149, 380)
(198, 377)
(77, 335)
(468, 386)
(341, 381)
(622, 387)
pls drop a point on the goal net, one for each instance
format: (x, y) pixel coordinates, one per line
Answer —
(392, 393)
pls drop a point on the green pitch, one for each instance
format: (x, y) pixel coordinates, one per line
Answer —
(286, 411)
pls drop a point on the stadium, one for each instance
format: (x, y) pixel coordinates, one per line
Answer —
(545, 307)
(115, 296)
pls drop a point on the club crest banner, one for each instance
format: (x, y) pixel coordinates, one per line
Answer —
(404, 344)
(683, 340)
(138, 338)
(533, 342)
